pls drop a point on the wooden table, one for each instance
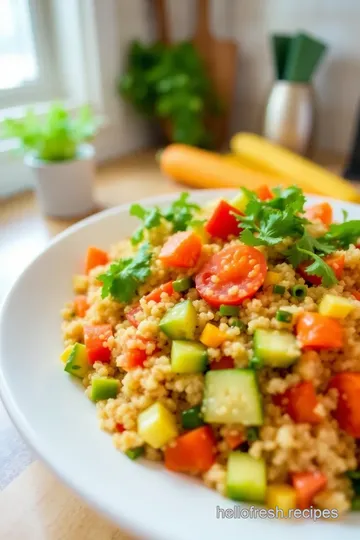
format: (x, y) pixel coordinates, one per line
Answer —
(34, 505)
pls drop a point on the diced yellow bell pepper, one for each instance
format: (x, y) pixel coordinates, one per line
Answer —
(272, 278)
(66, 353)
(80, 283)
(336, 306)
(212, 337)
(157, 425)
(282, 497)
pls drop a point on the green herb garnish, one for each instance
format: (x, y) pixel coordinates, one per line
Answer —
(283, 316)
(252, 434)
(123, 278)
(179, 214)
(299, 291)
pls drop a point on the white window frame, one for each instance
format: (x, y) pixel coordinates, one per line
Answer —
(46, 86)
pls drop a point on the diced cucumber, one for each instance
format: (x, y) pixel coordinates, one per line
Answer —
(240, 201)
(276, 348)
(245, 478)
(232, 396)
(192, 418)
(180, 321)
(77, 363)
(103, 388)
(188, 357)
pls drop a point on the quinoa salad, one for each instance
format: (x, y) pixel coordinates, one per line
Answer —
(224, 341)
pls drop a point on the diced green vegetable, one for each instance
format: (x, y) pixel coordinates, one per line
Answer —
(283, 316)
(279, 289)
(77, 363)
(239, 324)
(180, 321)
(252, 434)
(299, 291)
(255, 363)
(245, 478)
(103, 388)
(355, 504)
(276, 348)
(229, 311)
(232, 396)
(135, 453)
(188, 357)
(240, 201)
(184, 284)
(192, 418)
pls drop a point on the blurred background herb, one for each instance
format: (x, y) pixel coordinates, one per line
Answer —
(169, 82)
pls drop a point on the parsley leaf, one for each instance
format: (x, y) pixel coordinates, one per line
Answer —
(180, 213)
(341, 235)
(321, 269)
(124, 276)
(151, 218)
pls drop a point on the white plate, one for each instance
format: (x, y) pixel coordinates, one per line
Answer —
(54, 416)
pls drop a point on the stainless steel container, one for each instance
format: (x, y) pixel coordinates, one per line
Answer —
(289, 115)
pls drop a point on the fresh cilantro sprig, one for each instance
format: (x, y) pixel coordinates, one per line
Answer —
(179, 214)
(124, 276)
(341, 235)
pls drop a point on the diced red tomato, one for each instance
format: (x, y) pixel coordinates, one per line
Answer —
(322, 211)
(193, 452)
(264, 193)
(225, 362)
(181, 250)
(347, 412)
(95, 257)
(307, 485)
(356, 294)
(233, 440)
(336, 262)
(315, 331)
(222, 223)
(155, 295)
(300, 402)
(134, 358)
(131, 315)
(232, 275)
(95, 339)
(119, 428)
(81, 305)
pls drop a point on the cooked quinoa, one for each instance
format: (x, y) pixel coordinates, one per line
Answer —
(295, 439)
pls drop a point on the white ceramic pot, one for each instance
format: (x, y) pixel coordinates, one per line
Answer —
(65, 189)
(289, 115)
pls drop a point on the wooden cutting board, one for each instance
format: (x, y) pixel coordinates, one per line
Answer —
(220, 57)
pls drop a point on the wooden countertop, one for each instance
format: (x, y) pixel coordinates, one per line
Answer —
(34, 505)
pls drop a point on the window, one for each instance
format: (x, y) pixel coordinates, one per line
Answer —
(25, 53)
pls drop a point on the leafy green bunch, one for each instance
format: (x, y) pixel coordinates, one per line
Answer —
(54, 136)
(170, 82)
(179, 214)
(267, 223)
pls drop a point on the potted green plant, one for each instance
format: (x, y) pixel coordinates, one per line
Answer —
(56, 147)
(169, 83)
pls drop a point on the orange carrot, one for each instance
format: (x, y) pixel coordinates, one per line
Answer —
(322, 211)
(202, 169)
(81, 305)
(233, 440)
(95, 257)
(95, 340)
(133, 358)
(193, 452)
(315, 331)
(307, 485)
(347, 412)
(264, 193)
(155, 295)
(182, 250)
(300, 403)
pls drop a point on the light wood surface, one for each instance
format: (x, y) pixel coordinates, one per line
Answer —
(34, 505)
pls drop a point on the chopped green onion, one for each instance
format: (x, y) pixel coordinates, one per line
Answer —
(192, 418)
(355, 504)
(134, 453)
(255, 363)
(299, 291)
(252, 434)
(354, 475)
(239, 324)
(283, 316)
(184, 284)
(279, 289)
(229, 311)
